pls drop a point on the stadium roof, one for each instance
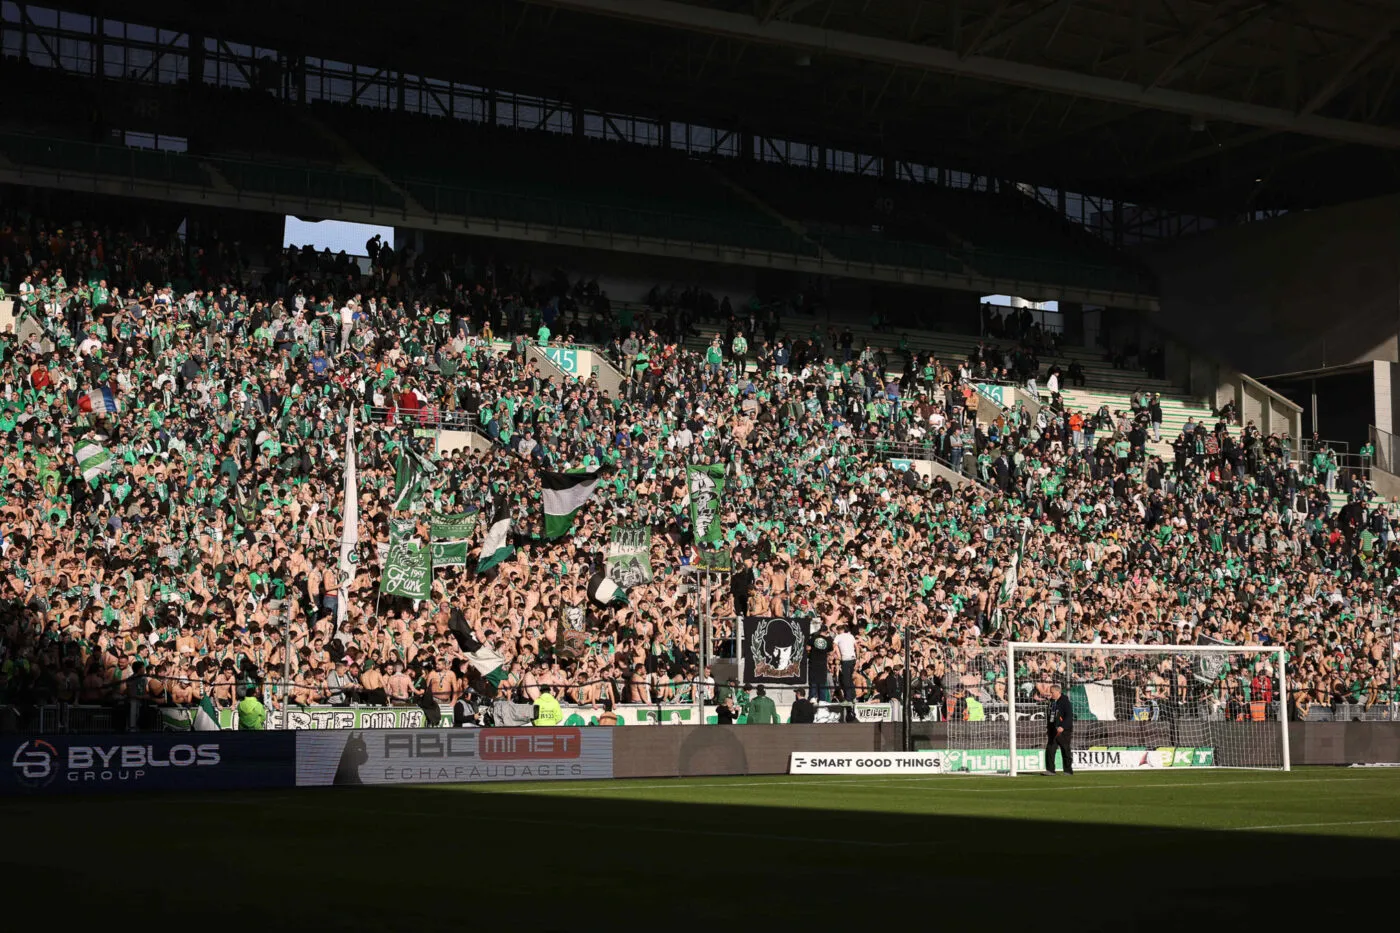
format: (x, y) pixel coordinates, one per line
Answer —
(1216, 106)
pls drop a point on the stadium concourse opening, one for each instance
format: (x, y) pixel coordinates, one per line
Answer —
(1115, 851)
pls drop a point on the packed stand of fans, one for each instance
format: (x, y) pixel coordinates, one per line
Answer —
(178, 570)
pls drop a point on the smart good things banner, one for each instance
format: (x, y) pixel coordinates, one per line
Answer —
(706, 487)
(775, 650)
(78, 764)
(930, 762)
(629, 557)
(452, 756)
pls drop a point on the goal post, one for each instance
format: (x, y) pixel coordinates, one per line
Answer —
(1136, 706)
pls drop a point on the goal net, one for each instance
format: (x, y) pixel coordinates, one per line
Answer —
(1135, 706)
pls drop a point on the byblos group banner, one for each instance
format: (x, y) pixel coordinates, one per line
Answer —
(452, 756)
(75, 764)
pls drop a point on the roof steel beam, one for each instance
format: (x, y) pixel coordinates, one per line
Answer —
(668, 13)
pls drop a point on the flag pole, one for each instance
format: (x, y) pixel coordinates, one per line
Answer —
(908, 692)
(286, 670)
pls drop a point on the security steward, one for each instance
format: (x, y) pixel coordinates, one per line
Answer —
(549, 712)
(1059, 724)
(251, 712)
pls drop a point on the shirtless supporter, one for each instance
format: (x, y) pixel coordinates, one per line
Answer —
(203, 553)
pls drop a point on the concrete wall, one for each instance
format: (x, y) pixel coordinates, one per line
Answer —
(1319, 288)
(448, 441)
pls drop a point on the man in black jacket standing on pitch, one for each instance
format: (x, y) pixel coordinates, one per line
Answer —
(1059, 724)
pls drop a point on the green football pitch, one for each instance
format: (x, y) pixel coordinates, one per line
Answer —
(1095, 851)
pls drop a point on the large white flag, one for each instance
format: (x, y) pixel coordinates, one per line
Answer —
(350, 534)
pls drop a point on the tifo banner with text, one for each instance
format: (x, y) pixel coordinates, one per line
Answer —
(354, 717)
(866, 763)
(994, 760)
(75, 764)
(455, 756)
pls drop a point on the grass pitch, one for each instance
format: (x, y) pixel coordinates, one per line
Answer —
(1212, 849)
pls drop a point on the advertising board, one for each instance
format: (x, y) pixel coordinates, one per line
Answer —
(59, 764)
(928, 762)
(1095, 758)
(455, 756)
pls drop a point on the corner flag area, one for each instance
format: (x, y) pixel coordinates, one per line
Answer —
(1123, 851)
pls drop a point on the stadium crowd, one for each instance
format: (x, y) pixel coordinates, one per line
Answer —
(223, 398)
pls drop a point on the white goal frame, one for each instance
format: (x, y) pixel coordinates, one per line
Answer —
(1278, 653)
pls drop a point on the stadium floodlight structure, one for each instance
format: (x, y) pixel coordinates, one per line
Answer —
(1136, 706)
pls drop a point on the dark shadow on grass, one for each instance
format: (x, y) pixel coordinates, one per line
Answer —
(428, 859)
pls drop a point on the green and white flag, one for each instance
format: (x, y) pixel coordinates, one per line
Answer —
(413, 467)
(705, 484)
(1013, 573)
(489, 665)
(206, 716)
(603, 591)
(629, 556)
(496, 547)
(1092, 701)
(564, 494)
(93, 458)
(407, 571)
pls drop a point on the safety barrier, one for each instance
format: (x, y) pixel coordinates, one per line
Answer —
(52, 764)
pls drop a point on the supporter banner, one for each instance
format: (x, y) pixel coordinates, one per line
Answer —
(454, 527)
(450, 538)
(412, 717)
(629, 557)
(706, 487)
(930, 762)
(775, 650)
(456, 756)
(365, 717)
(719, 561)
(407, 571)
(1207, 665)
(1095, 758)
(449, 553)
(69, 764)
(865, 712)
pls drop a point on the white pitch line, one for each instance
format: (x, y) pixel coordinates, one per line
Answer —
(1062, 785)
(1240, 829)
(622, 784)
